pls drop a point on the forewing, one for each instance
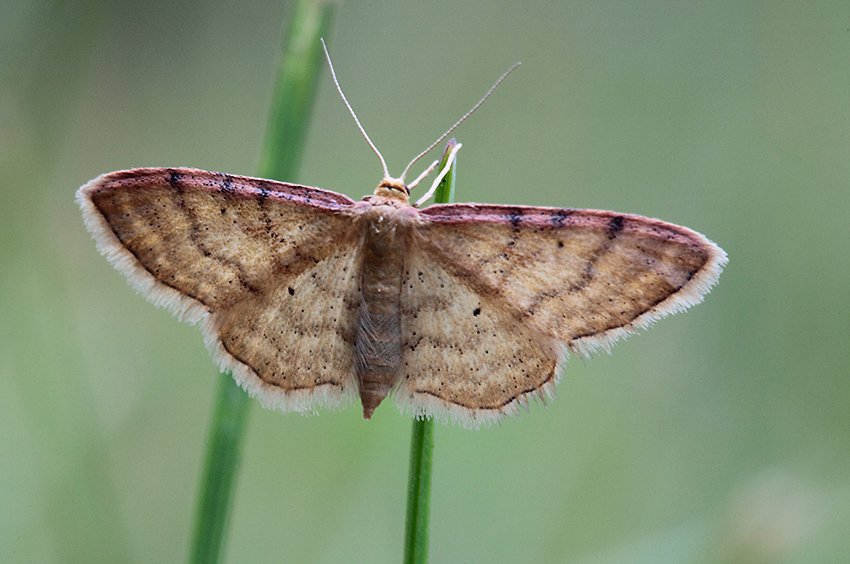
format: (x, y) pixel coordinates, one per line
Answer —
(266, 268)
(581, 277)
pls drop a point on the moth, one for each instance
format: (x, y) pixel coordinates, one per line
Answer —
(462, 311)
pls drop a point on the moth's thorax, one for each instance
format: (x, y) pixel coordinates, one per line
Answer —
(386, 212)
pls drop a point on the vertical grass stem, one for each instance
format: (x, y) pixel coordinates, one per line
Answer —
(417, 524)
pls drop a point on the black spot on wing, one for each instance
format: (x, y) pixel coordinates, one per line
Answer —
(615, 225)
(515, 217)
(227, 184)
(174, 180)
(559, 218)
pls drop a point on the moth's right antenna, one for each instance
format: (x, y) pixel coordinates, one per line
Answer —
(461, 120)
(357, 121)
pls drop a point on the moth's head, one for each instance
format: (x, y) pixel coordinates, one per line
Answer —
(393, 188)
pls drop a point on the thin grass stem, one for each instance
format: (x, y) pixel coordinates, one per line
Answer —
(417, 523)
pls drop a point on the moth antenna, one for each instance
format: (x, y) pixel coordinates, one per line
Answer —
(351, 110)
(457, 123)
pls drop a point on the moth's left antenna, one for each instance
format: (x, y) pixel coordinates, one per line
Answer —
(357, 121)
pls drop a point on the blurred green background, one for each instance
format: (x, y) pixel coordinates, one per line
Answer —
(719, 436)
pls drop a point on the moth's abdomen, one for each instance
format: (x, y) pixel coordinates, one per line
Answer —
(377, 346)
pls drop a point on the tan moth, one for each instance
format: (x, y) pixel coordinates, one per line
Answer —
(461, 311)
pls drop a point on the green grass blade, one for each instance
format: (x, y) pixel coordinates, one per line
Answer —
(295, 90)
(419, 492)
(416, 527)
(301, 65)
(220, 467)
